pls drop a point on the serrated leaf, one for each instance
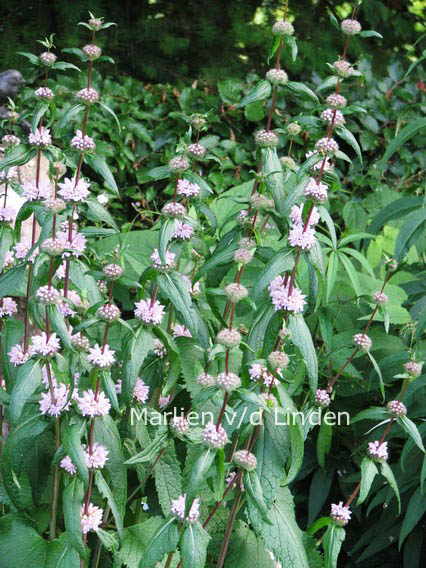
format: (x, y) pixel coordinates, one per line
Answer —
(135, 353)
(255, 494)
(117, 512)
(164, 541)
(99, 213)
(198, 474)
(168, 480)
(247, 550)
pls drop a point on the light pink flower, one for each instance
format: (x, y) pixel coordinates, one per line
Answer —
(8, 307)
(181, 331)
(157, 263)
(40, 138)
(178, 509)
(141, 392)
(45, 346)
(163, 401)
(97, 458)
(75, 247)
(32, 192)
(68, 465)
(187, 188)
(182, 231)
(7, 215)
(17, 355)
(148, 312)
(91, 406)
(99, 357)
(54, 406)
(70, 191)
(282, 300)
(91, 520)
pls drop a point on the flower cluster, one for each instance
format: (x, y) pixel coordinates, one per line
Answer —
(284, 298)
(302, 234)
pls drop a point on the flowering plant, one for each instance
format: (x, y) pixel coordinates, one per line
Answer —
(168, 389)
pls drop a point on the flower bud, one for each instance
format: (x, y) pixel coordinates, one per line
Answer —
(47, 296)
(243, 256)
(278, 360)
(95, 24)
(282, 28)
(414, 369)
(10, 140)
(245, 460)
(179, 164)
(206, 380)
(259, 202)
(228, 381)
(173, 210)
(380, 298)
(214, 438)
(59, 168)
(52, 247)
(350, 27)
(44, 94)
(344, 68)
(108, 313)
(293, 128)
(179, 425)
(333, 116)
(197, 121)
(397, 408)
(196, 151)
(322, 398)
(47, 58)
(277, 76)
(113, 271)
(80, 342)
(92, 52)
(266, 139)
(229, 338)
(326, 146)
(288, 163)
(336, 101)
(363, 341)
(88, 96)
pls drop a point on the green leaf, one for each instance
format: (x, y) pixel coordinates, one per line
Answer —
(301, 337)
(260, 92)
(387, 473)
(410, 231)
(106, 433)
(394, 210)
(72, 444)
(193, 546)
(274, 178)
(97, 212)
(283, 536)
(198, 474)
(117, 512)
(411, 429)
(174, 287)
(223, 254)
(415, 511)
(373, 413)
(58, 324)
(28, 379)
(325, 435)
(368, 473)
(279, 263)
(161, 172)
(332, 543)
(168, 479)
(110, 389)
(20, 545)
(108, 539)
(12, 280)
(302, 90)
(291, 42)
(72, 501)
(16, 452)
(112, 113)
(69, 115)
(379, 374)
(370, 33)
(350, 139)
(98, 163)
(404, 135)
(136, 537)
(31, 57)
(166, 232)
(6, 241)
(255, 494)
(135, 353)
(247, 550)
(327, 83)
(206, 190)
(164, 541)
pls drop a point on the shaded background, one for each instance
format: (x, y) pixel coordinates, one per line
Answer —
(165, 41)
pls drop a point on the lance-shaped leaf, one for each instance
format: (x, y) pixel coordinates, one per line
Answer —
(28, 379)
(259, 92)
(255, 494)
(73, 497)
(368, 473)
(136, 351)
(198, 474)
(71, 440)
(410, 232)
(411, 429)
(105, 490)
(387, 473)
(332, 543)
(163, 542)
(301, 337)
(404, 135)
(274, 178)
(193, 546)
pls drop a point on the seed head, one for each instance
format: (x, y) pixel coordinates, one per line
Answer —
(52, 247)
(243, 256)
(293, 128)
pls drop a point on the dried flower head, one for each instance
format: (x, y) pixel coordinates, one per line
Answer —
(235, 292)
(55, 205)
(228, 381)
(229, 337)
